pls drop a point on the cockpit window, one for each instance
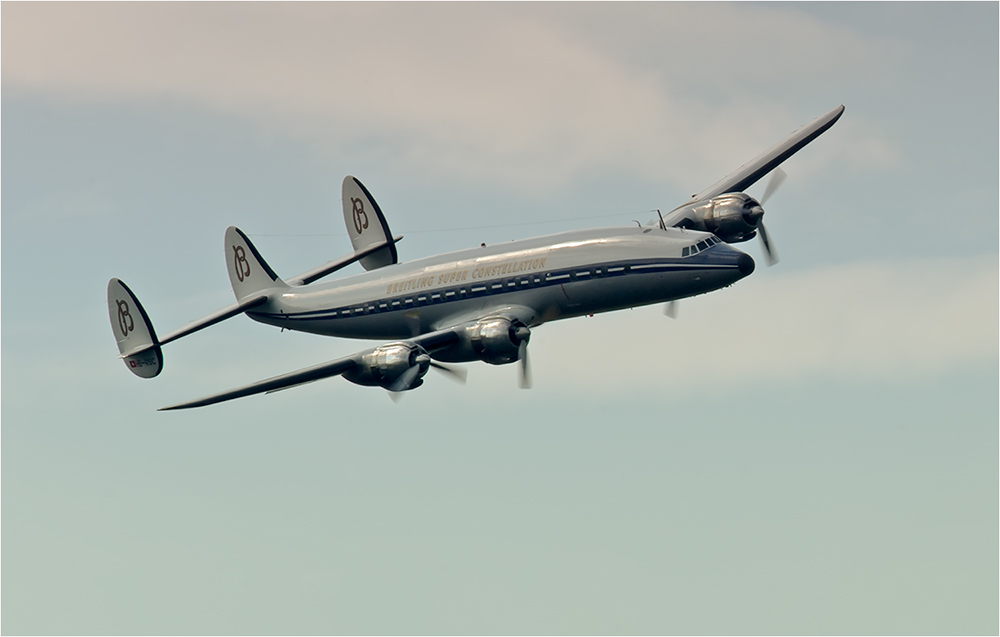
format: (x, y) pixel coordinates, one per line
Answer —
(702, 245)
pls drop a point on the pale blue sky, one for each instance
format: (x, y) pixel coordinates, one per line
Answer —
(814, 450)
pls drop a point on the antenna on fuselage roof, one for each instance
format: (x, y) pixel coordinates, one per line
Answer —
(663, 226)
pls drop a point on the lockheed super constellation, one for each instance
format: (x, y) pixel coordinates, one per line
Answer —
(478, 304)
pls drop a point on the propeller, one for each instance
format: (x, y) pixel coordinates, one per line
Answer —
(770, 254)
(457, 374)
(522, 334)
(412, 319)
(405, 380)
(777, 178)
(524, 370)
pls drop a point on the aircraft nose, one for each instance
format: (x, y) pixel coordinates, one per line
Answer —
(745, 264)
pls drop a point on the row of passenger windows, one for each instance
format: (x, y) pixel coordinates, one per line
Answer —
(476, 290)
(701, 245)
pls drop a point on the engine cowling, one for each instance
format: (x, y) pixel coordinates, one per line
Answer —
(497, 341)
(733, 217)
(395, 366)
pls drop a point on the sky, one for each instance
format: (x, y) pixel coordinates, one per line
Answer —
(811, 451)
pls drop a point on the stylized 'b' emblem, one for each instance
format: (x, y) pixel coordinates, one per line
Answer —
(125, 321)
(240, 263)
(360, 216)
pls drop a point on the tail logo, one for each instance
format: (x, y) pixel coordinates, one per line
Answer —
(240, 263)
(125, 321)
(360, 216)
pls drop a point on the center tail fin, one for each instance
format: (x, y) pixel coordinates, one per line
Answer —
(366, 225)
(248, 272)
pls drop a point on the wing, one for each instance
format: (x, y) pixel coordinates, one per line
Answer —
(751, 172)
(300, 377)
(428, 342)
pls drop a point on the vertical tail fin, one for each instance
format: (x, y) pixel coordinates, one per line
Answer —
(366, 224)
(248, 272)
(137, 342)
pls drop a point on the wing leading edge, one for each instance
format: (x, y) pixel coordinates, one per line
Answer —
(751, 172)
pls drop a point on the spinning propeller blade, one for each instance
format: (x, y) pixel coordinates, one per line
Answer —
(777, 178)
(457, 374)
(524, 369)
(770, 254)
(406, 379)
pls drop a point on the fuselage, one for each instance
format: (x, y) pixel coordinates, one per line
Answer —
(540, 280)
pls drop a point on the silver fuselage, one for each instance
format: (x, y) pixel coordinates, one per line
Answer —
(540, 280)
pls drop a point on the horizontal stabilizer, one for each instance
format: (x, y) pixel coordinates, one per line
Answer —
(332, 266)
(215, 317)
(366, 225)
(133, 331)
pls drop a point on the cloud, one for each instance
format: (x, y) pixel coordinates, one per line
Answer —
(530, 97)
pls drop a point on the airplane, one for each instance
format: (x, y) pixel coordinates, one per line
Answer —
(478, 304)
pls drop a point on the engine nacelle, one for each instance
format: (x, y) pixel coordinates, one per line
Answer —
(494, 340)
(733, 217)
(385, 365)
(498, 340)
